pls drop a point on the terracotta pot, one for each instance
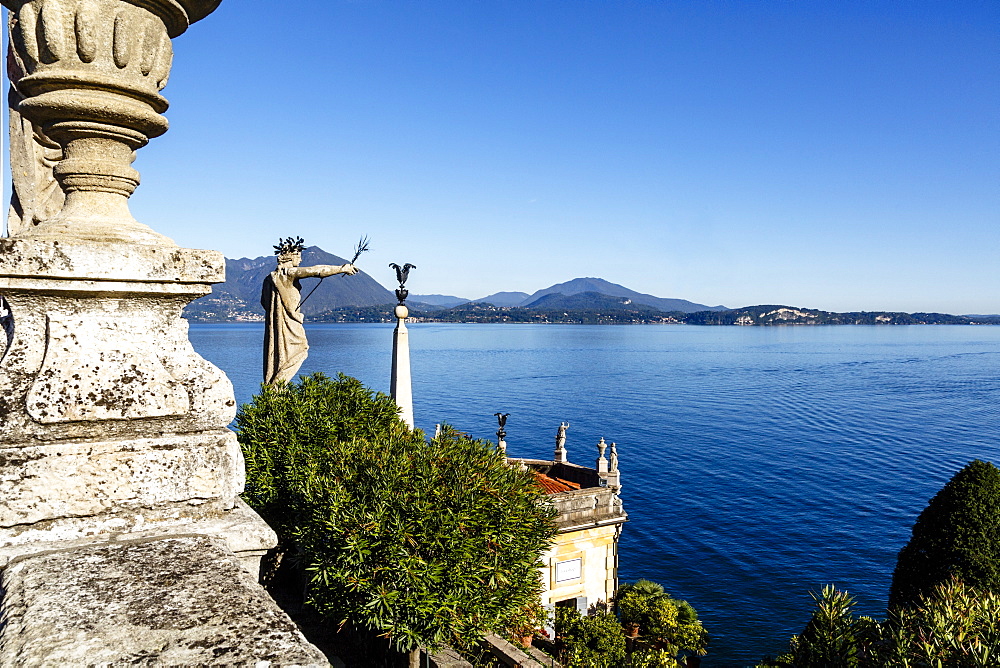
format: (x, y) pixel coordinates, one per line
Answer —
(526, 640)
(632, 630)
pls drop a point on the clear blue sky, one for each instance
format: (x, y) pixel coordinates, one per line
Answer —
(839, 155)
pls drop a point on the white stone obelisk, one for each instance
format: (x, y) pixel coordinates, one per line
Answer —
(400, 387)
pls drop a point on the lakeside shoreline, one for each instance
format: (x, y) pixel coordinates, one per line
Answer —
(477, 313)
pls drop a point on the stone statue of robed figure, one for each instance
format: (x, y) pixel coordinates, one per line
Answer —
(285, 344)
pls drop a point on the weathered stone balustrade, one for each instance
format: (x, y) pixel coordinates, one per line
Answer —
(112, 423)
(119, 479)
(587, 508)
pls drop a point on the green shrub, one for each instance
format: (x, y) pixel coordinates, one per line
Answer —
(422, 543)
(649, 657)
(954, 626)
(589, 641)
(671, 625)
(286, 431)
(833, 637)
(957, 535)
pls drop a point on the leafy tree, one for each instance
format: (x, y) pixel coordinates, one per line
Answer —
(957, 534)
(422, 543)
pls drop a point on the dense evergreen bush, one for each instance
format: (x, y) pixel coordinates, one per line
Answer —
(287, 431)
(423, 543)
(958, 534)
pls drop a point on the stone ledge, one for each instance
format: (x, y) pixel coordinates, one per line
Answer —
(177, 600)
(243, 531)
(85, 479)
(108, 261)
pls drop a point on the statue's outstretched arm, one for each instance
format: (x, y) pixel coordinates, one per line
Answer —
(322, 270)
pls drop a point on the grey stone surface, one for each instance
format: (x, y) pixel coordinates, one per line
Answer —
(86, 478)
(446, 658)
(112, 423)
(241, 528)
(99, 347)
(65, 259)
(173, 601)
(114, 429)
(587, 508)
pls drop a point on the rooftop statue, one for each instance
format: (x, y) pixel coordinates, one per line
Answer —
(285, 344)
(561, 434)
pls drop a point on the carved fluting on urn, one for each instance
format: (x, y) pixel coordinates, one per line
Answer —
(91, 75)
(91, 42)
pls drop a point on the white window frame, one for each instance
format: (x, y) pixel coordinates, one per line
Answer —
(574, 567)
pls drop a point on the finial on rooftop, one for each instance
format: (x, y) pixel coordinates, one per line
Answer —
(602, 462)
(560, 454)
(437, 430)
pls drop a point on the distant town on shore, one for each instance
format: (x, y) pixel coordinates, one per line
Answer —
(579, 301)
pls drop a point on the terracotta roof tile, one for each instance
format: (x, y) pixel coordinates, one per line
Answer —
(553, 485)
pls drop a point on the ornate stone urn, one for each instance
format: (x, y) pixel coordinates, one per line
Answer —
(111, 423)
(89, 75)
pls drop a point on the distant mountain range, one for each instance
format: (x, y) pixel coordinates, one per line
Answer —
(580, 286)
(581, 300)
(568, 296)
(238, 299)
(505, 298)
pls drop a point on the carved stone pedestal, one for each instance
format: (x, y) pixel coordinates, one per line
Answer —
(112, 424)
(120, 514)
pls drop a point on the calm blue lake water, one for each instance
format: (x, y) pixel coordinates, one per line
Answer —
(757, 463)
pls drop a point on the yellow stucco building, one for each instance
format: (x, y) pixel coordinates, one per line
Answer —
(581, 568)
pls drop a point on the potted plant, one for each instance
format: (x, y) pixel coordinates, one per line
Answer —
(529, 621)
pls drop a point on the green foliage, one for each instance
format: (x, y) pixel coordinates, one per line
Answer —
(286, 431)
(424, 544)
(649, 657)
(527, 620)
(833, 637)
(957, 535)
(670, 625)
(955, 626)
(595, 641)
